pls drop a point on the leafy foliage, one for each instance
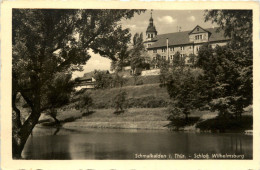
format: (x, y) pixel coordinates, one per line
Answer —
(164, 66)
(118, 80)
(224, 125)
(57, 41)
(228, 70)
(103, 79)
(85, 103)
(184, 92)
(223, 81)
(119, 102)
(58, 93)
(138, 54)
(178, 60)
(238, 25)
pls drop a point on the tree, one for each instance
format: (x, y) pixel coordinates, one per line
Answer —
(178, 60)
(118, 80)
(238, 25)
(57, 41)
(122, 59)
(138, 54)
(231, 66)
(184, 92)
(85, 103)
(222, 80)
(192, 59)
(58, 93)
(119, 102)
(158, 61)
(103, 79)
(164, 66)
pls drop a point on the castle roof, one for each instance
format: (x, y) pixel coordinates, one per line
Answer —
(182, 38)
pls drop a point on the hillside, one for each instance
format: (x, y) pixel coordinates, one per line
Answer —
(130, 81)
(143, 96)
(134, 118)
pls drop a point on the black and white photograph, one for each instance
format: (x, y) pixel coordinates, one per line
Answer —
(131, 84)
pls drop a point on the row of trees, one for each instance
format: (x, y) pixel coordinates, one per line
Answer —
(134, 55)
(86, 101)
(57, 41)
(222, 79)
(104, 80)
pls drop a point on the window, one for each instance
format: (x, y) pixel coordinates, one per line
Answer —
(155, 51)
(163, 50)
(198, 28)
(148, 35)
(171, 48)
(198, 37)
(151, 35)
(163, 57)
(198, 48)
(171, 57)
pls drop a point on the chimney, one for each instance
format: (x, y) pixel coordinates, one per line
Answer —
(167, 44)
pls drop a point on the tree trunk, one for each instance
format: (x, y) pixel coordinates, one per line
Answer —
(16, 125)
(186, 117)
(21, 132)
(56, 120)
(20, 135)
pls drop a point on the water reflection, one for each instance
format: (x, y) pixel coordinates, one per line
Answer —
(124, 144)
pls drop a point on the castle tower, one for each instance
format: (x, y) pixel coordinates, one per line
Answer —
(151, 30)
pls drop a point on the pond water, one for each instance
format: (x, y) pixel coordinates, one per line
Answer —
(61, 144)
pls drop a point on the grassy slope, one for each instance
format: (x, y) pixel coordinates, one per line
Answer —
(132, 92)
(136, 118)
(137, 96)
(144, 79)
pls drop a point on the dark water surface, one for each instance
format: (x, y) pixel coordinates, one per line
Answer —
(60, 144)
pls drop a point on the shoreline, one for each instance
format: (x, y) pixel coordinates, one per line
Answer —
(187, 129)
(132, 118)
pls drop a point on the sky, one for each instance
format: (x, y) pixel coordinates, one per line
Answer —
(165, 21)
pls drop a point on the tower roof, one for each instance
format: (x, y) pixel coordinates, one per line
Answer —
(151, 27)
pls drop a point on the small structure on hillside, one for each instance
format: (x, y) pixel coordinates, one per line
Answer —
(150, 72)
(88, 81)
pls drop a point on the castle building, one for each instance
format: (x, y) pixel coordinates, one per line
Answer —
(186, 42)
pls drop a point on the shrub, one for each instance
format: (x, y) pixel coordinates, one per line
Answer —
(222, 124)
(85, 103)
(119, 102)
(139, 82)
(179, 122)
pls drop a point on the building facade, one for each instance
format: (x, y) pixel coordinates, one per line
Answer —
(186, 42)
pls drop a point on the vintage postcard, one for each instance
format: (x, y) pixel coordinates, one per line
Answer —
(129, 85)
